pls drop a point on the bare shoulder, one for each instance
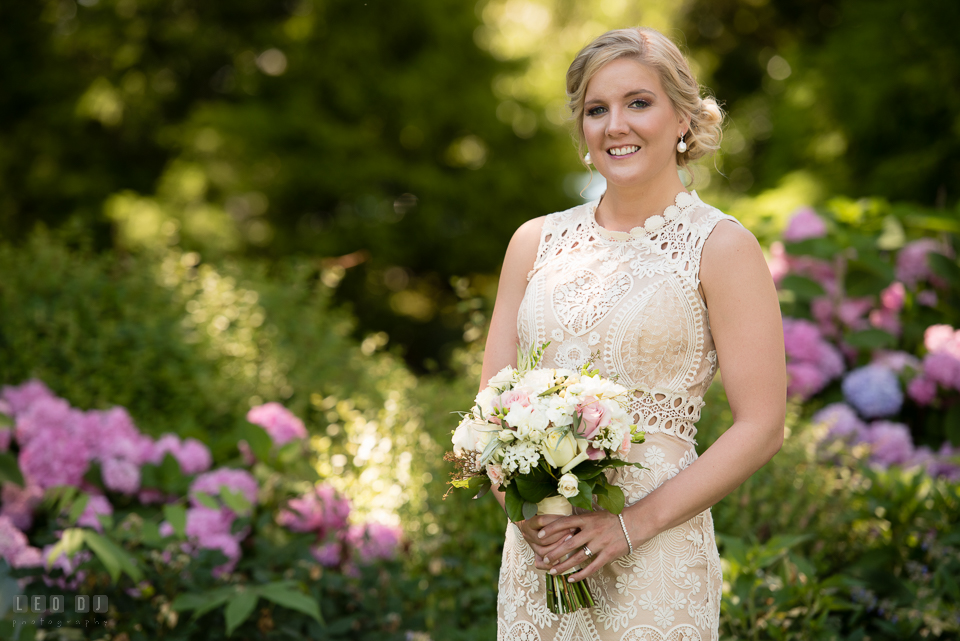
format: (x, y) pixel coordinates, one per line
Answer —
(522, 251)
(732, 261)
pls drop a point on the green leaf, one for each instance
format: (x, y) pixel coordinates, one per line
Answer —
(239, 608)
(176, 516)
(489, 450)
(70, 542)
(513, 503)
(282, 595)
(613, 500)
(78, 507)
(529, 510)
(112, 556)
(584, 499)
(202, 603)
(804, 288)
(235, 500)
(206, 500)
(945, 267)
(9, 469)
(257, 438)
(536, 486)
(818, 247)
(871, 339)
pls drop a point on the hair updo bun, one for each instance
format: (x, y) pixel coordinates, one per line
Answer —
(652, 48)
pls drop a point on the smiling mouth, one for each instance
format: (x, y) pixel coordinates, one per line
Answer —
(623, 151)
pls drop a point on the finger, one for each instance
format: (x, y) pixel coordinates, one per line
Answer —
(575, 559)
(574, 522)
(549, 541)
(589, 570)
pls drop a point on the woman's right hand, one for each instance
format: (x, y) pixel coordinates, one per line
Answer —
(530, 529)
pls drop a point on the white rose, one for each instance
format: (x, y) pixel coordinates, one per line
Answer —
(484, 400)
(465, 436)
(559, 450)
(504, 378)
(536, 381)
(569, 486)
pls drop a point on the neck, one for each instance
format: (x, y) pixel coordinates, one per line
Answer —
(624, 207)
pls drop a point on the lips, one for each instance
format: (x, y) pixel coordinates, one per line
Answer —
(625, 150)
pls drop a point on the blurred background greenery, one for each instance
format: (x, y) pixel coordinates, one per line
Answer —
(207, 205)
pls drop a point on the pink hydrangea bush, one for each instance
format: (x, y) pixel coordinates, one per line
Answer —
(865, 346)
(81, 441)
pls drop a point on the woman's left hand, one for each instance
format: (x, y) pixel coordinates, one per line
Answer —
(600, 532)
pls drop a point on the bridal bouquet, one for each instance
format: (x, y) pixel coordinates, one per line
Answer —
(544, 437)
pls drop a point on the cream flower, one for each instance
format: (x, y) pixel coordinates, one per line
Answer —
(569, 486)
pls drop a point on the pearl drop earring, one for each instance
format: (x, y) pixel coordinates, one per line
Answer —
(587, 159)
(682, 146)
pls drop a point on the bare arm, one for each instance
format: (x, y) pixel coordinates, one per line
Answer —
(501, 346)
(748, 332)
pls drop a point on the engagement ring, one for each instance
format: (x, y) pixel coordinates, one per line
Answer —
(587, 551)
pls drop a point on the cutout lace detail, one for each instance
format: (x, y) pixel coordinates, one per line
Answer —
(632, 296)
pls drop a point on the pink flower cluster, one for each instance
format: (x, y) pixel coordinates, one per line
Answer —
(320, 511)
(278, 421)
(192, 455)
(812, 362)
(890, 442)
(14, 547)
(324, 512)
(940, 367)
(913, 262)
(804, 224)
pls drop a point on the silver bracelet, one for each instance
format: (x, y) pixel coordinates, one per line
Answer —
(623, 525)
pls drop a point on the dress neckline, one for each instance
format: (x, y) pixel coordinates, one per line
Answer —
(683, 202)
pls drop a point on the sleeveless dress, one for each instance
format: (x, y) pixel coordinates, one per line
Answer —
(632, 300)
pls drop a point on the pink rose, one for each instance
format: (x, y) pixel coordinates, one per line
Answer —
(495, 474)
(593, 416)
(503, 402)
(594, 453)
(625, 446)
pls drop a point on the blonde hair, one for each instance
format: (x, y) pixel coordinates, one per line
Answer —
(652, 48)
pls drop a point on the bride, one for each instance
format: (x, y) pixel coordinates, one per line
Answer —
(667, 290)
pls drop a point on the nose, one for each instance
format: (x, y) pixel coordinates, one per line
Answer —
(616, 122)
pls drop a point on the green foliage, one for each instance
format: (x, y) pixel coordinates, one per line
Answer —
(861, 93)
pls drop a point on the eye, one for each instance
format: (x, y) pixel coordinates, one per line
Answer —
(596, 111)
(640, 104)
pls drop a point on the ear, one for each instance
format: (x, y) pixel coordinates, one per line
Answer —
(683, 123)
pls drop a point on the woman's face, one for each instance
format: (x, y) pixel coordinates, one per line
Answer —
(629, 124)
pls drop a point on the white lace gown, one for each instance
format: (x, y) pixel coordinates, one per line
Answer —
(633, 297)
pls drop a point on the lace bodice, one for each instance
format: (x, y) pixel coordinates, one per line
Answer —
(633, 298)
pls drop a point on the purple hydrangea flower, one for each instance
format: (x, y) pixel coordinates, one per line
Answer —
(843, 422)
(942, 368)
(19, 503)
(372, 541)
(15, 548)
(238, 480)
(804, 380)
(321, 511)
(192, 455)
(97, 505)
(328, 555)
(21, 397)
(890, 443)
(912, 262)
(72, 578)
(5, 435)
(804, 224)
(922, 390)
(120, 475)
(874, 391)
(278, 421)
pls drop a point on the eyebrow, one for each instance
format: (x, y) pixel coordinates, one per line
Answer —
(629, 94)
